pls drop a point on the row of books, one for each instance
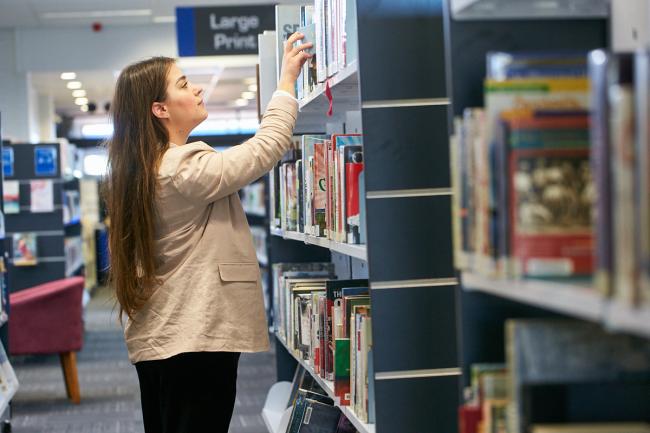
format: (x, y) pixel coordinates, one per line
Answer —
(253, 198)
(324, 24)
(550, 177)
(327, 323)
(549, 364)
(316, 188)
(313, 411)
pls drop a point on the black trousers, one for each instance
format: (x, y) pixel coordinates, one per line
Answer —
(188, 393)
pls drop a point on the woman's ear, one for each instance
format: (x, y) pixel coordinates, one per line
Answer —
(159, 110)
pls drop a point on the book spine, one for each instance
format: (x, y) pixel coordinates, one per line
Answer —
(642, 92)
(319, 20)
(622, 152)
(342, 370)
(353, 171)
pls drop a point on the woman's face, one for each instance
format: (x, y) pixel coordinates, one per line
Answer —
(184, 101)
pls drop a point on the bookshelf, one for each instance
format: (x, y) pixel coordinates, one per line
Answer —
(517, 10)
(344, 85)
(357, 251)
(472, 29)
(396, 96)
(575, 300)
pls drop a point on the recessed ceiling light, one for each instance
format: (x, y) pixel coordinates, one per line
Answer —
(68, 76)
(241, 102)
(79, 93)
(84, 108)
(74, 85)
(164, 19)
(249, 81)
(248, 95)
(252, 88)
(81, 101)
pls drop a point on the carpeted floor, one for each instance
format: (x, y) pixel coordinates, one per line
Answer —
(110, 398)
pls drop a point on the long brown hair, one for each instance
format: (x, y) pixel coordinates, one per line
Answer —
(134, 153)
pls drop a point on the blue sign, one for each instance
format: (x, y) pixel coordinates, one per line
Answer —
(221, 31)
(45, 160)
(8, 161)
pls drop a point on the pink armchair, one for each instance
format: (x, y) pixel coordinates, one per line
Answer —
(48, 319)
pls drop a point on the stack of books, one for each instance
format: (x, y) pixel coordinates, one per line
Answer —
(324, 24)
(327, 323)
(316, 188)
(520, 169)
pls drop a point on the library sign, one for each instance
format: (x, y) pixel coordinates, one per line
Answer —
(221, 31)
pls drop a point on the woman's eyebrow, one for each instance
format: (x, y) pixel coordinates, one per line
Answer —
(183, 77)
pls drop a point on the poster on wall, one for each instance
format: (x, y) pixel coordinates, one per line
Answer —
(45, 160)
(25, 250)
(8, 161)
(42, 196)
(11, 196)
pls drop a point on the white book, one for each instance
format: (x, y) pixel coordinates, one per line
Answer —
(321, 53)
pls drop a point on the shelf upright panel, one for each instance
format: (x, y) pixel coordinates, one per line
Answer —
(404, 107)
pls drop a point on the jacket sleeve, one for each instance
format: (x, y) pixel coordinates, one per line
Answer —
(204, 175)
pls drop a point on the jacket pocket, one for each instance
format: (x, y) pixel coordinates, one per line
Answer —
(239, 272)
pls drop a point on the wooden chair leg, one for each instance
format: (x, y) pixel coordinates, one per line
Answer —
(69, 366)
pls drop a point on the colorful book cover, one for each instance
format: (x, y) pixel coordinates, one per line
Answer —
(11, 196)
(336, 196)
(45, 160)
(25, 249)
(508, 65)
(353, 169)
(342, 370)
(320, 188)
(42, 196)
(550, 197)
(334, 290)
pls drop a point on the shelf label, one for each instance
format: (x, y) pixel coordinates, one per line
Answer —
(219, 31)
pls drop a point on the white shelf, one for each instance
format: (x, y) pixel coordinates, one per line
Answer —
(621, 317)
(566, 298)
(353, 250)
(485, 10)
(574, 300)
(328, 386)
(345, 93)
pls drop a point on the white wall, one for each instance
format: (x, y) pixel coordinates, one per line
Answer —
(14, 92)
(79, 48)
(26, 116)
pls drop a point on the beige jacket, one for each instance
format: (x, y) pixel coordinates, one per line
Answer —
(211, 296)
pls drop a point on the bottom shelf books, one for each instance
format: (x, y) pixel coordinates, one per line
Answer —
(313, 411)
(561, 376)
(326, 322)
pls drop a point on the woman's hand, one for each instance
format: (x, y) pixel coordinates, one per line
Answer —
(292, 61)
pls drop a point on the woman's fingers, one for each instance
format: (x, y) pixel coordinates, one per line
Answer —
(288, 45)
(300, 48)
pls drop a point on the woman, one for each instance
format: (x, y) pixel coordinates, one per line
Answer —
(183, 264)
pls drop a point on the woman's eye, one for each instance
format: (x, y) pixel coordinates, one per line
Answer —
(185, 85)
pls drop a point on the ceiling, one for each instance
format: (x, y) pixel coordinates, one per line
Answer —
(44, 13)
(221, 87)
(223, 84)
